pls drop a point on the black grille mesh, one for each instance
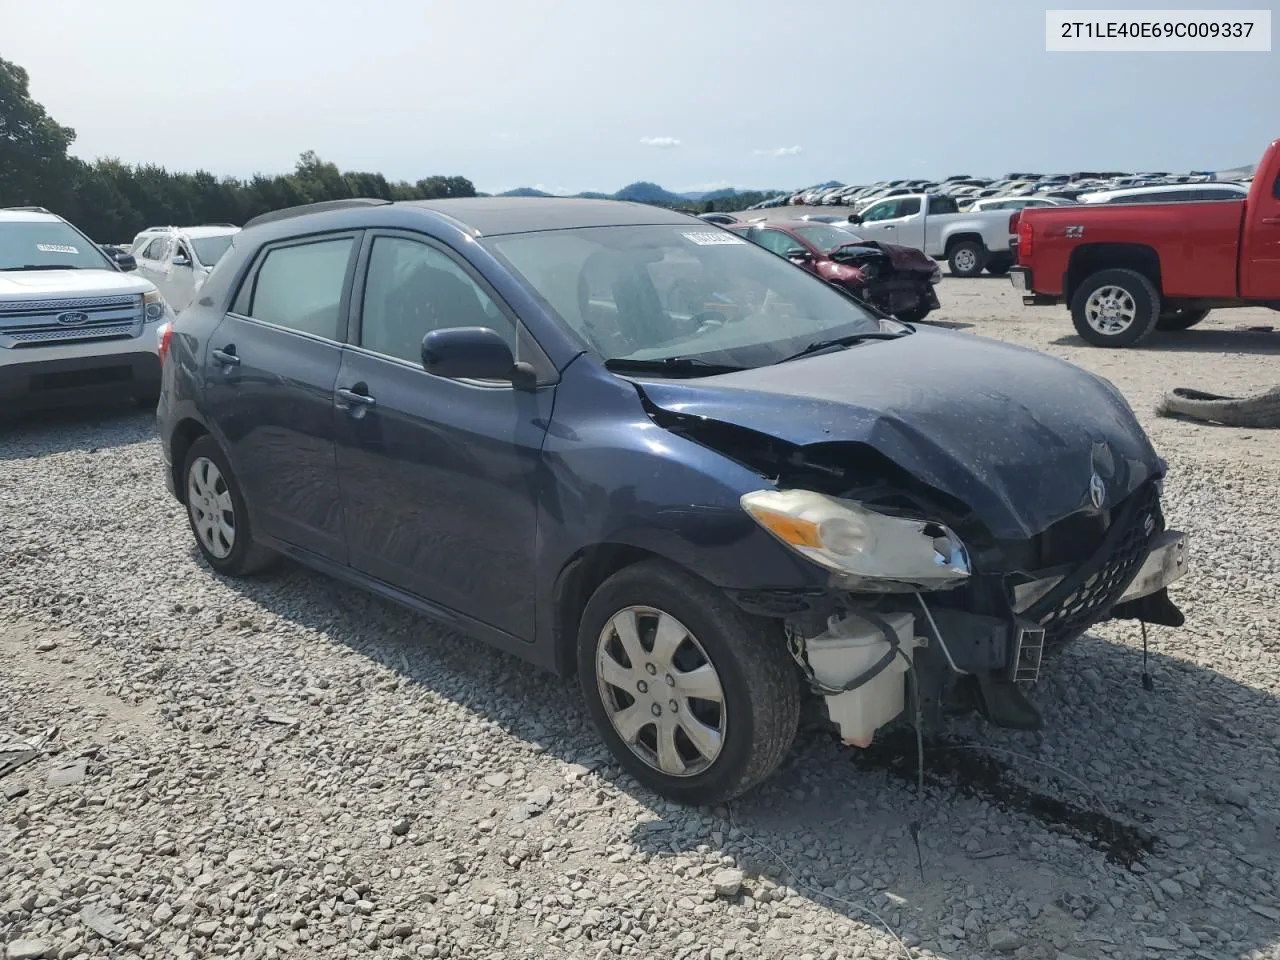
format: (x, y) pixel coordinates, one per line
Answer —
(1085, 597)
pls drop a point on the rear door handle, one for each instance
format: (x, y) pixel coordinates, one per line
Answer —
(358, 399)
(1271, 219)
(227, 356)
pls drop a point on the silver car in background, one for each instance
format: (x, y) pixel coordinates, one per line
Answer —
(177, 259)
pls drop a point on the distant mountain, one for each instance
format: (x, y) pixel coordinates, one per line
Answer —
(643, 191)
(526, 192)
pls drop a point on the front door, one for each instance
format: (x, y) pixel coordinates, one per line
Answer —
(880, 221)
(270, 372)
(1260, 251)
(440, 478)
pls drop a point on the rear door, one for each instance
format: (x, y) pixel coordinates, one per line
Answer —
(1260, 251)
(152, 260)
(440, 478)
(270, 373)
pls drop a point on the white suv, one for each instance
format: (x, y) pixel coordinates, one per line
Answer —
(75, 326)
(177, 259)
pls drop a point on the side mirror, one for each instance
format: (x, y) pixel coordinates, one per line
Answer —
(472, 353)
(180, 261)
(125, 261)
(799, 255)
(855, 218)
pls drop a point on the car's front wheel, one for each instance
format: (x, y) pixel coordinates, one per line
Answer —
(698, 700)
(217, 513)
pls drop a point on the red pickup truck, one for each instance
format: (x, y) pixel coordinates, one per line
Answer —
(1129, 269)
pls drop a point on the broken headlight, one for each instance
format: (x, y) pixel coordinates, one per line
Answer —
(878, 551)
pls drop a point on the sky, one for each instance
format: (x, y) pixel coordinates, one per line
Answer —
(579, 95)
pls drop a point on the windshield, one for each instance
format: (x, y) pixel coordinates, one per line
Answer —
(209, 250)
(826, 237)
(658, 292)
(47, 244)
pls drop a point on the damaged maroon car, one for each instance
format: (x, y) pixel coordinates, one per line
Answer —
(894, 279)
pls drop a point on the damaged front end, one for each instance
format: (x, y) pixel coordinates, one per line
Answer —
(891, 279)
(922, 606)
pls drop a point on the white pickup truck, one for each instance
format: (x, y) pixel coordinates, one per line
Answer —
(969, 242)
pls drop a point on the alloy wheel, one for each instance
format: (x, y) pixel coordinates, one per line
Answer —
(1110, 310)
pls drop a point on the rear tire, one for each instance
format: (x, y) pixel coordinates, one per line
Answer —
(217, 513)
(967, 258)
(1115, 308)
(1173, 321)
(686, 638)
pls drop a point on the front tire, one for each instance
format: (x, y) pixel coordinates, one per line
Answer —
(999, 268)
(1173, 321)
(967, 258)
(217, 513)
(697, 700)
(1115, 308)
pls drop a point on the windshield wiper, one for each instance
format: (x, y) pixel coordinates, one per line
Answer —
(40, 266)
(819, 345)
(672, 365)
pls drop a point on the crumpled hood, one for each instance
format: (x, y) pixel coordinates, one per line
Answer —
(56, 284)
(1014, 434)
(907, 259)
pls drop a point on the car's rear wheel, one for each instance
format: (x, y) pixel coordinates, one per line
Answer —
(1115, 308)
(967, 258)
(217, 513)
(698, 700)
(1181, 319)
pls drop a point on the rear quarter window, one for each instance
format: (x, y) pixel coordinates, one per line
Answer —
(300, 287)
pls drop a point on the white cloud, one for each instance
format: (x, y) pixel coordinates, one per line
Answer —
(660, 142)
(780, 152)
(503, 135)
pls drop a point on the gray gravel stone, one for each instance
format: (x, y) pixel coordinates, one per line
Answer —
(29, 949)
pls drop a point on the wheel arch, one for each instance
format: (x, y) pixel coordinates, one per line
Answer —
(959, 237)
(1088, 259)
(187, 432)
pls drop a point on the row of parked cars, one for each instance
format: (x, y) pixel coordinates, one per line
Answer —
(1017, 191)
(623, 443)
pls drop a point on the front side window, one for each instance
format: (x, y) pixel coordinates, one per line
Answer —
(657, 292)
(777, 242)
(881, 211)
(300, 287)
(47, 245)
(412, 289)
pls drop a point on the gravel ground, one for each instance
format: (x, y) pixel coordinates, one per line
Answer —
(291, 768)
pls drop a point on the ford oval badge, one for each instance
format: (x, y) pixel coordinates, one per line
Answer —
(73, 318)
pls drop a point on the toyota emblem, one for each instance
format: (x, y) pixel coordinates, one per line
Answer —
(1097, 492)
(73, 318)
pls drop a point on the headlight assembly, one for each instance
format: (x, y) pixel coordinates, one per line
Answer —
(874, 551)
(152, 306)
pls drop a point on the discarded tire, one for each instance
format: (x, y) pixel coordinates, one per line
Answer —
(1260, 410)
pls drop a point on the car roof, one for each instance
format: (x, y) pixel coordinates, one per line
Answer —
(477, 216)
(1167, 188)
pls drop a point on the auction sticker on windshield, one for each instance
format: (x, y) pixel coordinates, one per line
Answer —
(711, 238)
(55, 248)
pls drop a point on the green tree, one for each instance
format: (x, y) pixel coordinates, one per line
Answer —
(33, 148)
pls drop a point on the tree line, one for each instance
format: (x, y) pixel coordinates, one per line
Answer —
(112, 201)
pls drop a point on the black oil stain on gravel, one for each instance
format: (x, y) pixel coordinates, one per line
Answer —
(951, 762)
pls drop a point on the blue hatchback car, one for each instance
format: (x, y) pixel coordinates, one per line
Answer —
(623, 442)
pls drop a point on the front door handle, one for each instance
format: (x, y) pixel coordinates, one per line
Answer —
(358, 399)
(227, 356)
(1272, 220)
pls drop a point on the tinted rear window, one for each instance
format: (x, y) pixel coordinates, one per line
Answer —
(300, 287)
